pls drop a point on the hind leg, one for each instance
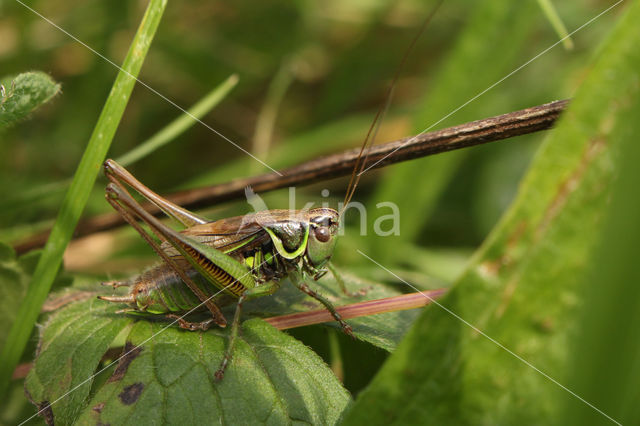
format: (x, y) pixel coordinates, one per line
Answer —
(327, 304)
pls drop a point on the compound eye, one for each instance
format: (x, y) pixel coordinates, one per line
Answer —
(322, 234)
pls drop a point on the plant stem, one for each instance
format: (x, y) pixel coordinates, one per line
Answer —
(530, 120)
(354, 310)
(180, 124)
(78, 194)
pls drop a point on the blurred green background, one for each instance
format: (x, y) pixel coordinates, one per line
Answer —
(339, 59)
(312, 74)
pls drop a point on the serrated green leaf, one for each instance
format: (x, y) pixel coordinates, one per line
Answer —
(23, 94)
(273, 379)
(175, 368)
(169, 377)
(71, 345)
(383, 330)
(523, 288)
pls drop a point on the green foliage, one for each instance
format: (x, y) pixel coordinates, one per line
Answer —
(555, 20)
(605, 353)
(23, 93)
(384, 331)
(180, 124)
(13, 285)
(15, 274)
(164, 136)
(278, 377)
(170, 381)
(522, 287)
(71, 346)
(479, 47)
(523, 290)
(76, 197)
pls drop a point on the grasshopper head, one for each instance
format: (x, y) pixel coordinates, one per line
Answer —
(323, 233)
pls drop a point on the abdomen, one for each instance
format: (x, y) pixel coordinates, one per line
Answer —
(160, 290)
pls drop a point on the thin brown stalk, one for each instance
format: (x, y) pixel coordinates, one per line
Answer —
(492, 129)
(301, 319)
(360, 309)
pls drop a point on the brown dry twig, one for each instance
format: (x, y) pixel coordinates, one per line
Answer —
(478, 132)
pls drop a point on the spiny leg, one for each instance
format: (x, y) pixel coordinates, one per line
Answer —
(217, 267)
(306, 289)
(117, 194)
(117, 174)
(263, 290)
(233, 334)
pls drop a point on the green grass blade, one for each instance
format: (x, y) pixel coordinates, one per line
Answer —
(496, 56)
(523, 289)
(556, 22)
(605, 358)
(263, 134)
(78, 193)
(164, 136)
(180, 124)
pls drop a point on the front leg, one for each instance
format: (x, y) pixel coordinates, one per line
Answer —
(261, 290)
(305, 288)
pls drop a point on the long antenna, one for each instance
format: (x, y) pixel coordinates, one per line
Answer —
(375, 126)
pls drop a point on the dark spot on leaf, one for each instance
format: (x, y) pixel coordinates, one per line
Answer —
(131, 393)
(45, 411)
(98, 408)
(130, 353)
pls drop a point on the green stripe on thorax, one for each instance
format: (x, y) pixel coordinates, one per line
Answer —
(282, 251)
